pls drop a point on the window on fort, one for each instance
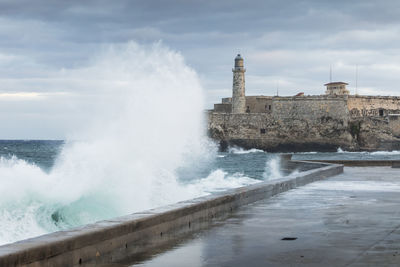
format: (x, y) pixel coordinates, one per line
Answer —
(269, 107)
(381, 112)
(262, 131)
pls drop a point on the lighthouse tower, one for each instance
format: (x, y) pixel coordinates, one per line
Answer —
(238, 88)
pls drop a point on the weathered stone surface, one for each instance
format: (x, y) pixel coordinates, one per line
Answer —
(370, 106)
(394, 124)
(263, 131)
(238, 88)
(313, 123)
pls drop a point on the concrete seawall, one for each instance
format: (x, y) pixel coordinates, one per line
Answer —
(124, 237)
(362, 163)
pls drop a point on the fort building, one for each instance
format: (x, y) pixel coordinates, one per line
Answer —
(336, 88)
(305, 122)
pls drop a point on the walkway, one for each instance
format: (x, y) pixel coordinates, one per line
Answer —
(349, 220)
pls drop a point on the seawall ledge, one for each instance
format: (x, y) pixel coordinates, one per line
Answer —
(116, 239)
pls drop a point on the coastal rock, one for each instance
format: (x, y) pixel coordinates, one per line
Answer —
(263, 131)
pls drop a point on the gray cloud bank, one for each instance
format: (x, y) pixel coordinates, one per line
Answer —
(286, 44)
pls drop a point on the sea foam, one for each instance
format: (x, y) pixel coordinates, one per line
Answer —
(239, 150)
(146, 123)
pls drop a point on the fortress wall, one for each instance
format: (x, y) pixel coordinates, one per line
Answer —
(280, 132)
(224, 107)
(311, 123)
(310, 108)
(240, 126)
(259, 104)
(361, 106)
(394, 124)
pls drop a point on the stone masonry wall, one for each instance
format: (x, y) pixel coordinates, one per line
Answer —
(316, 123)
(223, 107)
(370, 106)
(394, 124)
(259, 104)
(312, 123)
(294, 125)
(311, 108)
(238, 92)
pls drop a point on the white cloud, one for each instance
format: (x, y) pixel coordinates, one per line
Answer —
(18, 96)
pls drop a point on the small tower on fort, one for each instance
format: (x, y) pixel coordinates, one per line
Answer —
(336, 88)
(238, 88)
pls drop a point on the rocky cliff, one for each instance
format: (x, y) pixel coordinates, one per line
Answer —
(299, 133)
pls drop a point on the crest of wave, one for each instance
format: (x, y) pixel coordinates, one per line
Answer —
(147, 114)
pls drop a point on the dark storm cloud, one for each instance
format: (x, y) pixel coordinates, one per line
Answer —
(184, 22)
(99, 20)
(291, 43)
(63, 33)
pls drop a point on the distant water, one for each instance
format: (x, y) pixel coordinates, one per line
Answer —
(43, 154)
(34, 202)
(38, 152)
(345, 155)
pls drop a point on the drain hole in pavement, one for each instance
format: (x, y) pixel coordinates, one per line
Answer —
(289, 238)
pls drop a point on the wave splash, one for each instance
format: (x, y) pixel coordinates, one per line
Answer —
(147, 123)
(239, 150)
(377, 153)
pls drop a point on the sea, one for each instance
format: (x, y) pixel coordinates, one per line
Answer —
(40, 193)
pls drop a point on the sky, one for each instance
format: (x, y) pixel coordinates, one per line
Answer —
(288, 47)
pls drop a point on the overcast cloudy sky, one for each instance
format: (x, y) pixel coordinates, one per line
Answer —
(286, 44)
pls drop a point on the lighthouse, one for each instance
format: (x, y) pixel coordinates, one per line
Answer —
(238, 88)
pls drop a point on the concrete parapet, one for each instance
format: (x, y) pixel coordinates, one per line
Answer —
(396, 164)
(362, 163)
(124, 237)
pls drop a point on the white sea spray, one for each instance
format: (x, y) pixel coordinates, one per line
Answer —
(147, 122)
(272, 169)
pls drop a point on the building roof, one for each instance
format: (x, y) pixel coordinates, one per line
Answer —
(334, 83)
(238, 57)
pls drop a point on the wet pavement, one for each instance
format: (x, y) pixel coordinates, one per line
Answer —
(352, 219)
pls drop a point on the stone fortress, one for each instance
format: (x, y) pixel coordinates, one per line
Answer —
(305, 123)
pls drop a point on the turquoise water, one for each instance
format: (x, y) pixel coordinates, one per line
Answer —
(46, 186)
